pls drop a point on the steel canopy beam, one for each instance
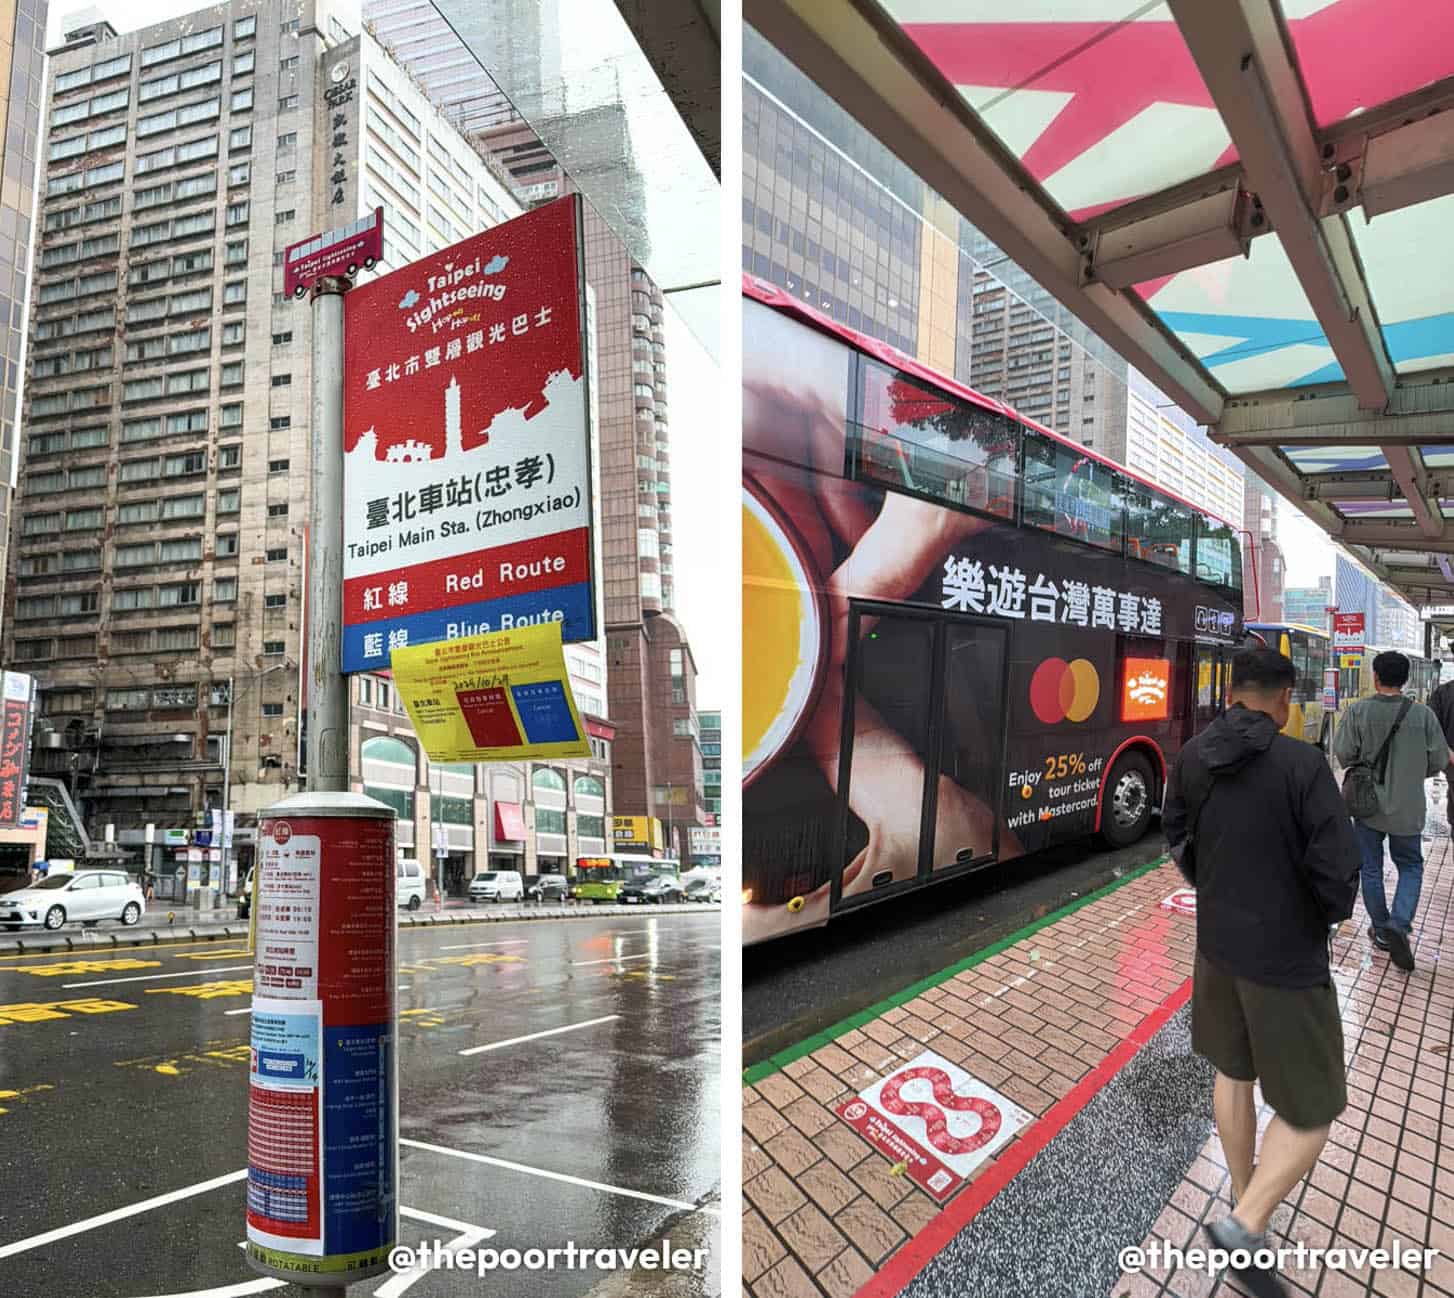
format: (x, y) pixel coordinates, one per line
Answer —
(859, 56)
(1420, 412)
(1407, 467)
(1239, 49)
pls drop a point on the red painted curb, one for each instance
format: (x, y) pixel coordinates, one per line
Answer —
(914, 1256)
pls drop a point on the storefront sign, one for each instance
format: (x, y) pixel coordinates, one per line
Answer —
(467, 482)
(322, 1188)
(636, 834)
(19, 689)
(935, 1119)
(492, 697)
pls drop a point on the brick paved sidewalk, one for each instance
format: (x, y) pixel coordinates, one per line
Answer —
(1036, 1018)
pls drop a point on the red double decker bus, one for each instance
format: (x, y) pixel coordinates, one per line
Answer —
(965, 638)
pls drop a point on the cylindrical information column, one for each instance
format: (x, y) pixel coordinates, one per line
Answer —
(323, 1108)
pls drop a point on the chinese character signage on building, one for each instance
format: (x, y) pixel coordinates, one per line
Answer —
(14, 747)
(467, 504)
(1348, 632)
(636, 834)
(491, 698)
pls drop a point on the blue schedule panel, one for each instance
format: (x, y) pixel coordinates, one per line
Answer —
(544, 712)
(359, 1177)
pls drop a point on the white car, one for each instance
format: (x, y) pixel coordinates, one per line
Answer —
(85, 896)
(497, 885)
(409, 886)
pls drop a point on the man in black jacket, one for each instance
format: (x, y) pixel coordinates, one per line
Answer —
(1260, 830)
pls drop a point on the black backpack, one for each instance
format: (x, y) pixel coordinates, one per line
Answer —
(1361, 780)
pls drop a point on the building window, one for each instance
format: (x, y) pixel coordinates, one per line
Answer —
(286, 103)
(548, 821)
(275, 601)
(277, 466)
(289, 64)
(224, 590)
(274, 648)
(283, 217)
(272, 709)
(281, 339)
(278, 554)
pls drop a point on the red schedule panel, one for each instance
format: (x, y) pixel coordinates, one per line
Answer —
(356, 922)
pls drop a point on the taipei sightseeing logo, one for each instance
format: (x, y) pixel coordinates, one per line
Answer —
(1064, 691)
(282, 832)
(1147, 688)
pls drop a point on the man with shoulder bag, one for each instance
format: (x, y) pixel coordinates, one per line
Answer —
(1255, 822)
(1390, 745)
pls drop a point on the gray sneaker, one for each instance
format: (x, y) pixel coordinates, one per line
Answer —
(1230, 1234)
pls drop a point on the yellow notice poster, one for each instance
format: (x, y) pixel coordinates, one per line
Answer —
(491, 698)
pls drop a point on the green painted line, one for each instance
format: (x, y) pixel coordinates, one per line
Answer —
(775, 1063)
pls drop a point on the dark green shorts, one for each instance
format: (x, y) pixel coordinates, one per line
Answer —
(1288, 1038)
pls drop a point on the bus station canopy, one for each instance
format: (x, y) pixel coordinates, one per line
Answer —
(1252, 201)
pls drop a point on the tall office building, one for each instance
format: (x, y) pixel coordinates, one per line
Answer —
(1309, 604)
(1263, 572)
(22, 91)
(830, 215)
(657, 758)
(163, 499)
(712, 764)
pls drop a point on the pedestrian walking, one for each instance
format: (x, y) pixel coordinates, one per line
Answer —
(1402, 744)
(1441, 703)
(1258, 826)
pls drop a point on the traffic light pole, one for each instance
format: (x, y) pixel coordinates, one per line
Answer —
(327, 686)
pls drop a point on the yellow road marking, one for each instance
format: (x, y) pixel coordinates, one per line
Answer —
(85, 967)
(213, 955)
(207, 991)
(40, 1011)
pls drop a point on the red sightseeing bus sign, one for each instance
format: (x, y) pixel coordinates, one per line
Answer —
(14, 747)
(345, 251)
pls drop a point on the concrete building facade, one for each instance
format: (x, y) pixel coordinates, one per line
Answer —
(22, 94)
(160, 535)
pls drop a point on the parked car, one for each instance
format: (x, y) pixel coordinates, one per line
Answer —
(657, 888)
(497, 885)
(84, 896)
(244, 896)
(547, 887)
(409, 885)
(702, 889)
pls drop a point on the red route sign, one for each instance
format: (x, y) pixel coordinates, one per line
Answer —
(345, 251)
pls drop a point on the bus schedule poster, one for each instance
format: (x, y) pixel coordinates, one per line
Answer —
(322, 1175)
(495, 697)
(935, 1119)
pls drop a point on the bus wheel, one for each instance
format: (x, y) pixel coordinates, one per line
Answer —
(1126, 804)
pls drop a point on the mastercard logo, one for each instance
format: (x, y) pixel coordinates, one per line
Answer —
(1064, 691)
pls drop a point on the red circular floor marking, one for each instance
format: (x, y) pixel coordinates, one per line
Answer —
(933, 1115)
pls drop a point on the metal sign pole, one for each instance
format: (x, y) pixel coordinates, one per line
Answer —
(328, 687)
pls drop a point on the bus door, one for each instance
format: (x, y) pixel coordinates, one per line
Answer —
(922, 758)
(1211, 674)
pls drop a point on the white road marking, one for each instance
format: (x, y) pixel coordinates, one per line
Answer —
(560, 1176)
(119, 1214)
(535, 1036)
(469, 946)
(248, 1010)
(231, 1290)
(147, 978)
(615, 959)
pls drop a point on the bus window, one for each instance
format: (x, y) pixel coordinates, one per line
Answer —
(1317, 661)
(1158, 530)
(1309, 685)
(1219, 557)
(1070, 493)
(914, 436)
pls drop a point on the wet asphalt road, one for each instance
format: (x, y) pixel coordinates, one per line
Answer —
(799, 985)
(614, 1127)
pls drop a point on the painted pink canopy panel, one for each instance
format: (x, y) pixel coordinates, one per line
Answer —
(1356, 54)
(1099, 109)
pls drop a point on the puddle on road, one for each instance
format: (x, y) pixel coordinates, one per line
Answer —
(691, 1230)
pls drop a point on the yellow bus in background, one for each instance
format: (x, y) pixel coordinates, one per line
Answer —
(1355, 675)
(1311, 718)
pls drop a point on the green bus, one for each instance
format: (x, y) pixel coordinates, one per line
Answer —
(599, 878)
